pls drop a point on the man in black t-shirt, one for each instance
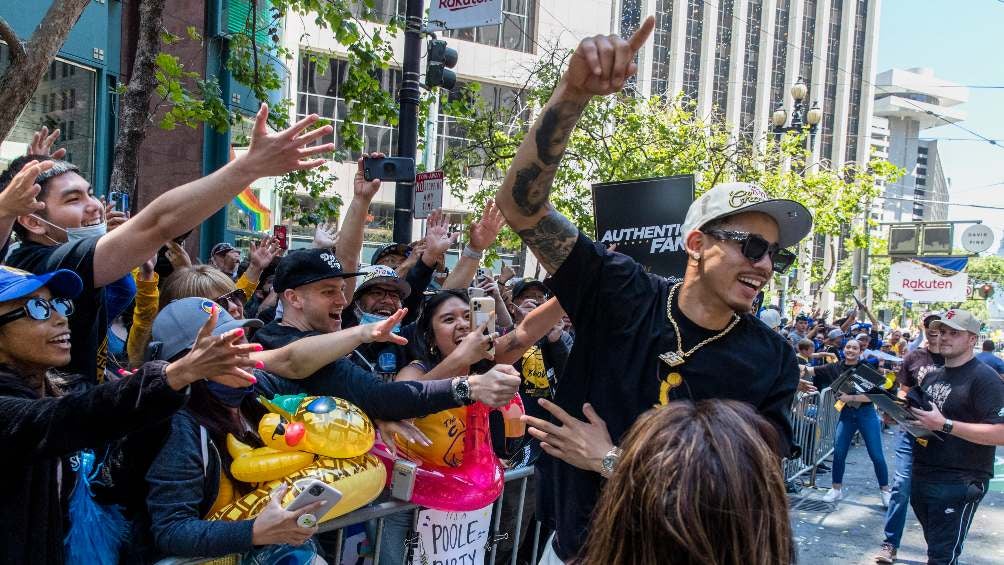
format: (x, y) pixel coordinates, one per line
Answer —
(69, 233)
(964, 402)
(642, 340)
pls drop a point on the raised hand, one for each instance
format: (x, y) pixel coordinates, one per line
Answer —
(223, 359)
(383, 331)
(476, 345)
(18, 199)
(601, 64)
(264, 252)
(113, 217)
(360, 186)
(274, 154)
(437, 234)
(486, 231)
(276, 525)
(177, 255)
(325, 236)
(42, 142)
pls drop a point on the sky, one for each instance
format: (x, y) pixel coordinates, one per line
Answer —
(963, 42)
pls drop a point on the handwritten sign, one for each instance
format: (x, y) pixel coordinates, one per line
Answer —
(428, 193)
(454, 538)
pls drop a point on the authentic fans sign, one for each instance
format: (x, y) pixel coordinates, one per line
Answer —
(643, 217)
(459, 14)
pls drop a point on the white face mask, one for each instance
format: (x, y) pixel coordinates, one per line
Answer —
(77, 234)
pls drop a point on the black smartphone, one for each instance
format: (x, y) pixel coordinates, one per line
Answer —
(389, 168)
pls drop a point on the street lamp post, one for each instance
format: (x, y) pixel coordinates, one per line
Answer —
(802, 118)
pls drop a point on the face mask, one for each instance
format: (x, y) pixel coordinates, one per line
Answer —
(77, 234)
(367, 318)
(229, 396)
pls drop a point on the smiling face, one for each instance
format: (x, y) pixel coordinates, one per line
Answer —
(69, 203)
(380, 299)
(34, 345)
(317, 305)
(729, 277)
(852, 352)
(451, 324)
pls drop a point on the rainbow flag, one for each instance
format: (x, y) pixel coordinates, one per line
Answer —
(259, 216)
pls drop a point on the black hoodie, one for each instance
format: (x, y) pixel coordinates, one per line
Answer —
(344, 379)
(37, 433)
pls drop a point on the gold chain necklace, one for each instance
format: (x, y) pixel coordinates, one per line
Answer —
(678, 357)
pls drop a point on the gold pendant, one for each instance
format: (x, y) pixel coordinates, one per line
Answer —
(672, 358)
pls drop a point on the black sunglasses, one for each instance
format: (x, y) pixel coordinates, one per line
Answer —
(39, 309)
(754, 247)
(236, 296)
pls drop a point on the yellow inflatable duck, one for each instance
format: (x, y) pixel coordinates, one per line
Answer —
(307, 437)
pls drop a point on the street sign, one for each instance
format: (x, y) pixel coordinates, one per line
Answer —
(919, 281)
(428, 193)
(459, 14)
(977, 238)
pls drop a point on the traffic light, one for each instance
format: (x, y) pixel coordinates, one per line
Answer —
(983, 291)
(441, 60)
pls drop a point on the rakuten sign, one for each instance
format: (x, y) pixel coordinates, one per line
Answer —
(910, 280)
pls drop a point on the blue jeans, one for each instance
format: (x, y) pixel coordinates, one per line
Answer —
(945, 512)
(866, 420)
(895, 516)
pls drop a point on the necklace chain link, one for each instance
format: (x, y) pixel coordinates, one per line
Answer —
(679, 356)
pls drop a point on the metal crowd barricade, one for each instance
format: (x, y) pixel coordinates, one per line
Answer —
(814, 424)
(379, 512)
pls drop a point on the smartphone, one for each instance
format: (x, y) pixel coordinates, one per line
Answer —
(481, 309)
(402, 482)
(119, 200)
(313, 490)
(279, 232)
(484, 274)
(389, 168)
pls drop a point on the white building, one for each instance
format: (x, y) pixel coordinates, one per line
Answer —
(910, 101)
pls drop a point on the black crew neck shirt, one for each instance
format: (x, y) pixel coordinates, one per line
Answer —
(619, 313)
(972, 393)
(89, 321)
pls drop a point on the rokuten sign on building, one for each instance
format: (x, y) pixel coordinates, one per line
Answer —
(917, 281)
(459, 14)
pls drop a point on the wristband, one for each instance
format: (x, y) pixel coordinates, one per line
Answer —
(472, 253)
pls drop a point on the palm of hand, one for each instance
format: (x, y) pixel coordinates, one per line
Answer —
(437, 239)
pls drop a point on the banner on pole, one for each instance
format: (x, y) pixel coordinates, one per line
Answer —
(930, 280)
(459, 14)
(644, 218)
(428, 193)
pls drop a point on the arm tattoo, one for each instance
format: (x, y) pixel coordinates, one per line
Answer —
(532, 184)
(551, 240)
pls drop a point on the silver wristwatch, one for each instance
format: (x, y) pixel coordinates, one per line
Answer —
(462, 391)
(609, 461)
(947, 426)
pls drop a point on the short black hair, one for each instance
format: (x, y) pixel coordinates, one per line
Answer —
(988, 345)
(60, 168)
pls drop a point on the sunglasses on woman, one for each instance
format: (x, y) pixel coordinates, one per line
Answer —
(236, 296)
(754, 247)
(39, 309)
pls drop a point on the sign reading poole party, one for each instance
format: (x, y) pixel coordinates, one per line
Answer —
(458, 14)
(643, 217)
(935, 279)
(453, 538)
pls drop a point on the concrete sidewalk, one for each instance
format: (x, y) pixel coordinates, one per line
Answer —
(853, 531)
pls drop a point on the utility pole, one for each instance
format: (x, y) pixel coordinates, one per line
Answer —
(410, 95)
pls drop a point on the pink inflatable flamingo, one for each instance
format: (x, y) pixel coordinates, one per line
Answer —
(479, 479)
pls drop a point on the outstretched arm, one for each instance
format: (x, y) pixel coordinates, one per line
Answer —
(599, 66)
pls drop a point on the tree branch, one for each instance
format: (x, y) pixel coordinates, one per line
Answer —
(10, 38)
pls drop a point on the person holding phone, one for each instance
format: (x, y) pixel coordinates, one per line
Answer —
(41, 426)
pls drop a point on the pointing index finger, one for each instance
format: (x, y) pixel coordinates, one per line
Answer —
(641, 36)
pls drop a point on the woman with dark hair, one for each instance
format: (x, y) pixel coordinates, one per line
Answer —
(695, 484)
(857, 414)
(40, 426)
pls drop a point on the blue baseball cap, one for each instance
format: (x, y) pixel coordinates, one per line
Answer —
(177, 325)
(15, 283)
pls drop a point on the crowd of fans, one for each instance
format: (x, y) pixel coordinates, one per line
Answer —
(128, 368)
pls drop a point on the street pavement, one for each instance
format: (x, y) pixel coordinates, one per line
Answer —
(853, 531)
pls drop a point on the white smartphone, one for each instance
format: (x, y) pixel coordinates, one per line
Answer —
(313, 490)
(481, 309)
(402, 483)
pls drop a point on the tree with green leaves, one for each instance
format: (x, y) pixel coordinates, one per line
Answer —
(628, 136)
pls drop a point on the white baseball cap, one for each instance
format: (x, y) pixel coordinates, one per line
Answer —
(959, 320)
(771, 317)
(793, 220)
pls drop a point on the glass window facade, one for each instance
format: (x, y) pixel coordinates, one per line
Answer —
(451, 131)
(830, 88)
(382, 10)
(808, 46)
(857, 68)
(777, 85)
(516, 32)
(65, 99)
(723, 55)
(661, 46)
(692, 49)
(751, 66)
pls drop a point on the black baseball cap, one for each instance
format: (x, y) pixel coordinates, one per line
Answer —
(390, 249)
(305, 266)
(930, 318)
(221, 248)
(522, 285)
